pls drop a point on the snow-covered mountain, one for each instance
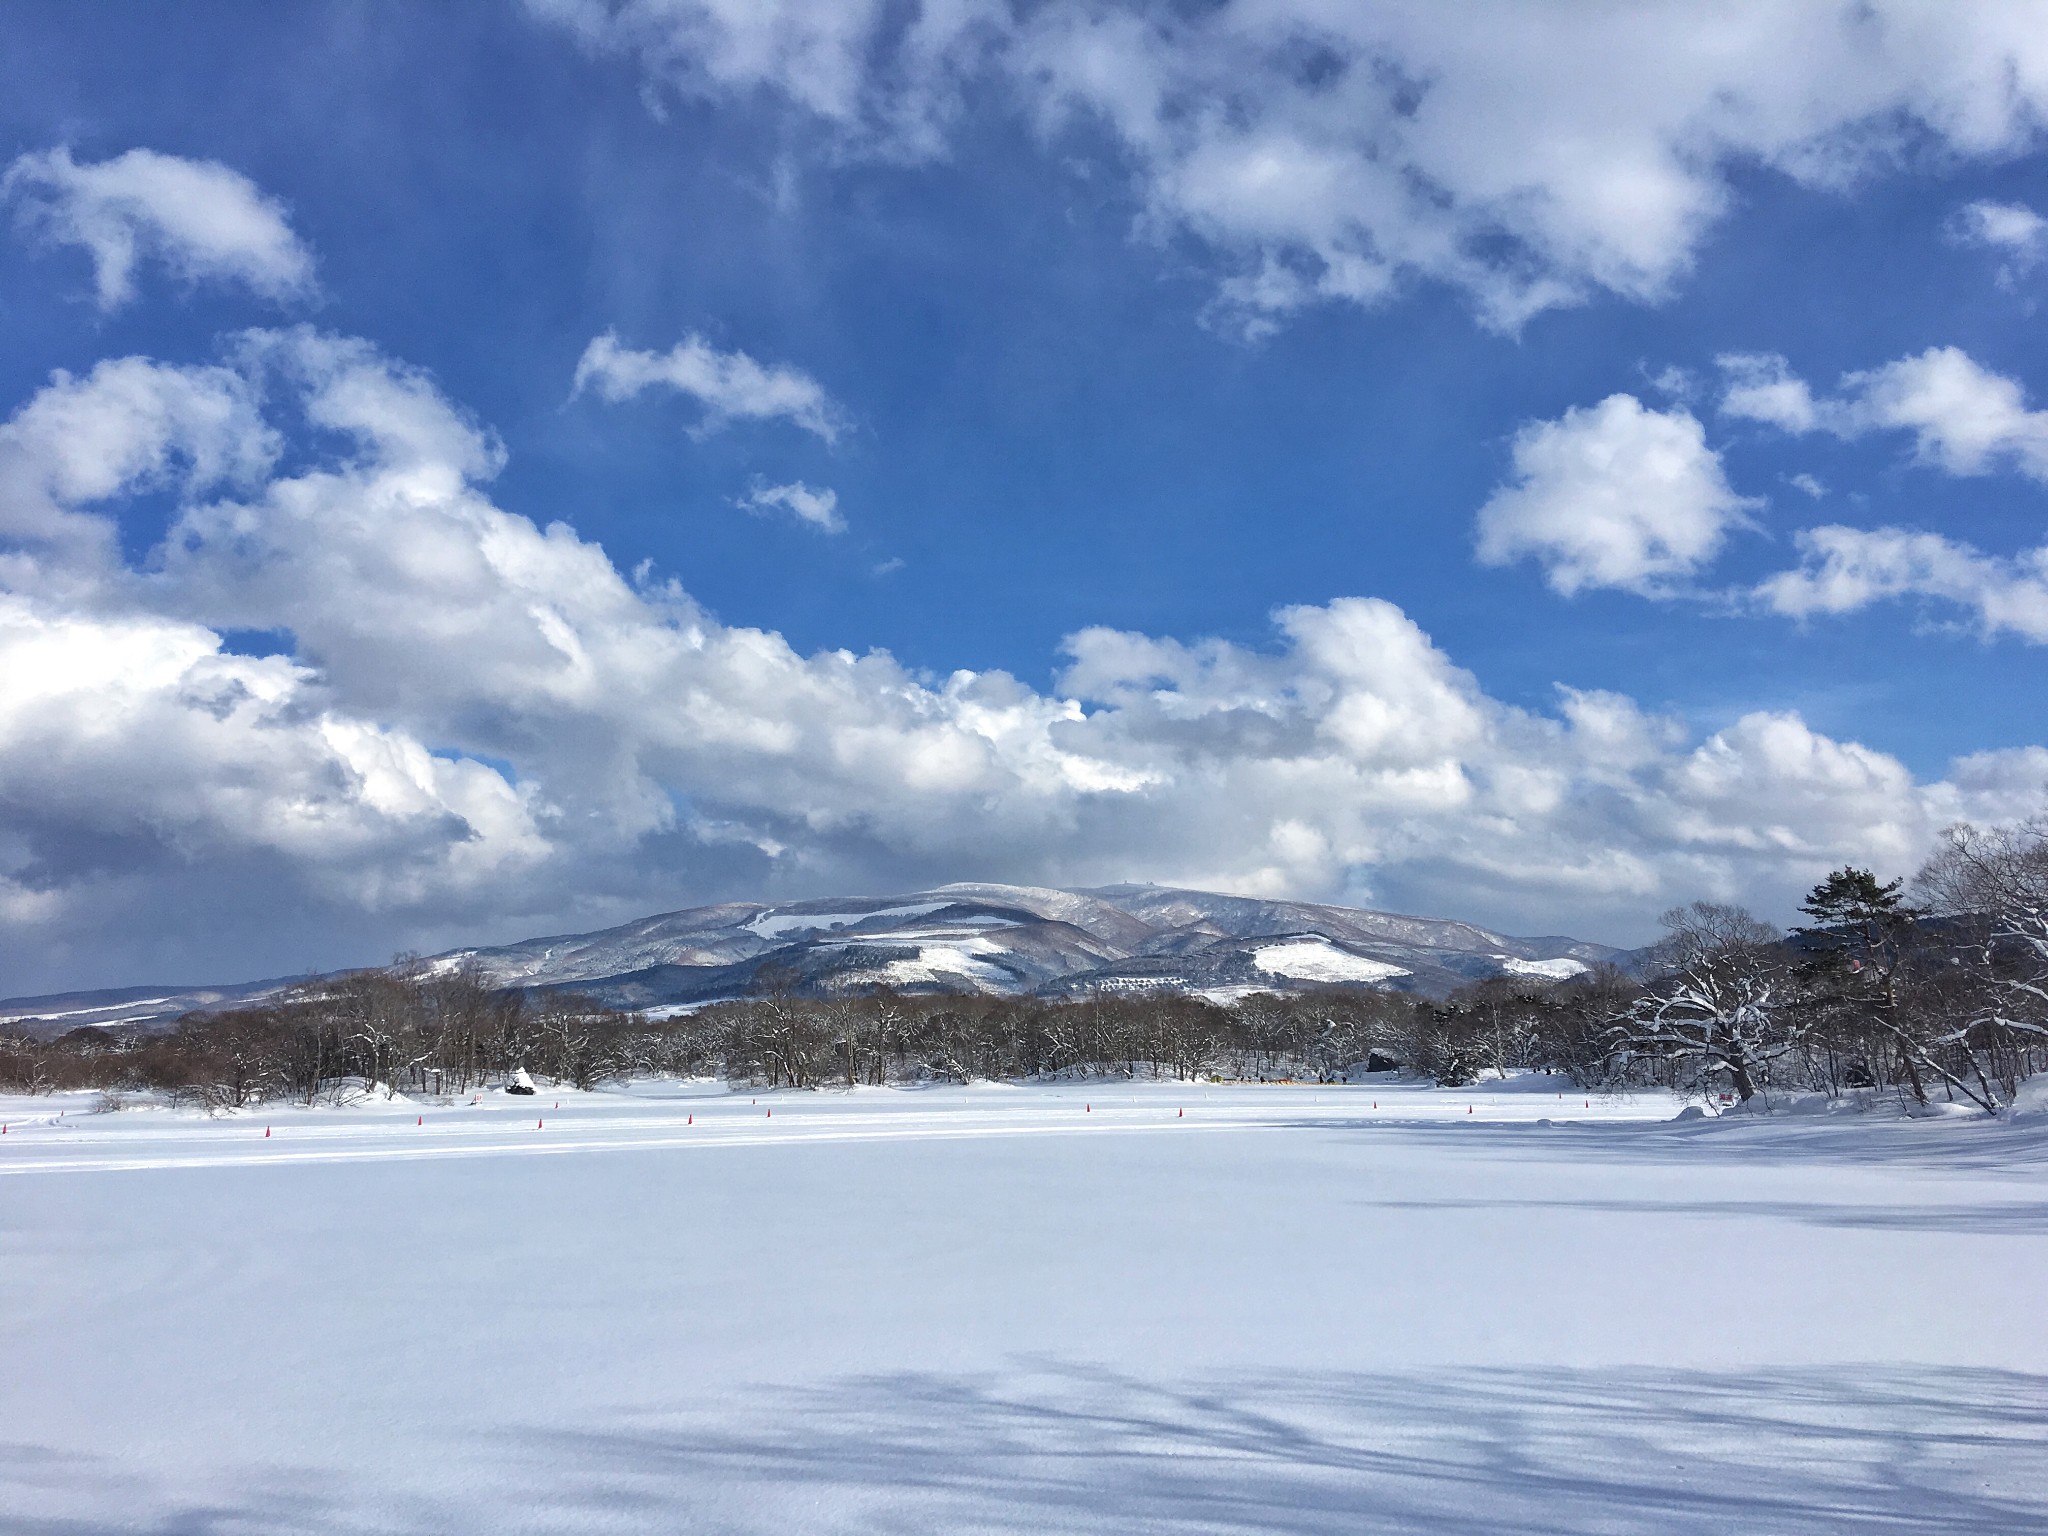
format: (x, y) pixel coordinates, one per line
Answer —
(1015, 938)
(53, 1013)
(968, 937)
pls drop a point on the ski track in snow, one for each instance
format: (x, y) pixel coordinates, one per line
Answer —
(1086, 1307)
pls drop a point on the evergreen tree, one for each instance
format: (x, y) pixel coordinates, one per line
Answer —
(1857, 943)
(1851, 904)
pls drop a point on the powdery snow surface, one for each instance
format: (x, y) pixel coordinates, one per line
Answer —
(1320, 960)
(1002, 1309)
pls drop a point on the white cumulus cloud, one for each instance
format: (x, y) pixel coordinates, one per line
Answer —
(1844, 569)
(199, 217)
(730, 386)
(130, 425)
(1612, 495)
(1761, 386)
(1965, 419)
(476, 726)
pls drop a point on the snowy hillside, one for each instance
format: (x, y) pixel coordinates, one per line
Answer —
(1015, 938)
(52, 1013)
(965, 937)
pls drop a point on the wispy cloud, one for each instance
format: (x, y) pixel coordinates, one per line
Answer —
(2013, 229)
(1327, 152)
(200, 218)
(730, 386)
(818, 506)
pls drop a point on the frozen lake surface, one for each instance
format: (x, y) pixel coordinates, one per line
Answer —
(1075, 1309)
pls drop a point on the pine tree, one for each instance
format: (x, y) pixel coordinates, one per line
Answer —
(1851, 904)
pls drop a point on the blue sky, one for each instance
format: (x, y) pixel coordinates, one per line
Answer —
(1139, 324)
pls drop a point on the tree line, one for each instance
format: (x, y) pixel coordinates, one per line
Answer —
(1933, 993)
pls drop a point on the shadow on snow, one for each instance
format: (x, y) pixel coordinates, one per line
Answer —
(1057, 1447)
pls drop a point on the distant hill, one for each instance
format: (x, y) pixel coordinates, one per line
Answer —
(976, 938)
(1020, 939)
(53, 1013)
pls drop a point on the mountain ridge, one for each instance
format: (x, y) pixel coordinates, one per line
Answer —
(966, 936)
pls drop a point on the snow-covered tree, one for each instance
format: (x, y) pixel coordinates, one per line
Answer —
(1991, 887)
(1721, 1002)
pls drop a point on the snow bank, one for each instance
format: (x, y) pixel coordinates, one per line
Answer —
(2031, 1102)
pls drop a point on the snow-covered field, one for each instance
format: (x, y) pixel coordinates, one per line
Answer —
(1093, 1309)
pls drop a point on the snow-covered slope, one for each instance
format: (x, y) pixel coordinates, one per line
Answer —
(1317, 959)
(1171, 909)
(965, 937)
(1013, 938)
(56, 1013)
